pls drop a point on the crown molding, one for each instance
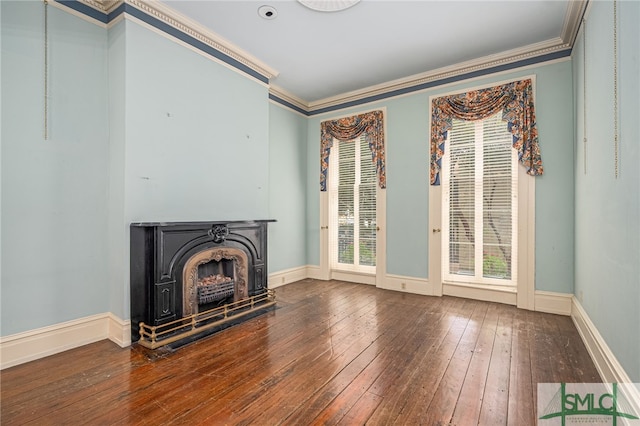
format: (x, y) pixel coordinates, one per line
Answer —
(190, 27)
(571, 26)
(104, 6)
(288, 97)
(197, 31)
(515, 55)
(156, 9)
(187, 26)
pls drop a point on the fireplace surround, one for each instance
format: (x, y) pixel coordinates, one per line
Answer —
(191, 278)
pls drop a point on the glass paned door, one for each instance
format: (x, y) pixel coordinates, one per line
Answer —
(352, 207)
(480, 203)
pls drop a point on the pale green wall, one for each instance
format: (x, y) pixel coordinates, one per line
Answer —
(196, 136)
(54, 200)
(287, 188)
(607, 237)
(408, 176)
(118, 232)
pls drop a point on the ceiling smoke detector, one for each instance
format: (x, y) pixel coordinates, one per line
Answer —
(267, 12)
(328, 5)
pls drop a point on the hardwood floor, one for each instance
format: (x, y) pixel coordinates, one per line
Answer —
(331, 353)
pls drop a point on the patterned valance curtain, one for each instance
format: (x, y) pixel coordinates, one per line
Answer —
(349, 128)
(515, 99)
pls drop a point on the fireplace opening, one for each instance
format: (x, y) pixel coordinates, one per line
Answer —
(215, 284)
(214, 277)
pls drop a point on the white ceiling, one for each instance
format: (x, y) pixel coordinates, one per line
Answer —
(319, 55)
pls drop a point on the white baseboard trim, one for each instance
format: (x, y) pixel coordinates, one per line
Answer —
(287, 276)
(485, 293)
(313, 272)
(354, 277)
(552, 302)
(605, 361)
(119, 330)
(35, 344)
(407, 284)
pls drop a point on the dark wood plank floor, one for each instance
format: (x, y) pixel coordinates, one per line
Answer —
(332, 353)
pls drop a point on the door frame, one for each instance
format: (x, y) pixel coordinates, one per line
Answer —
(326, 273)
(523, 295)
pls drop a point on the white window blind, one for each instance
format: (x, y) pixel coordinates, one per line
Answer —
(352, 204)
(480, 206)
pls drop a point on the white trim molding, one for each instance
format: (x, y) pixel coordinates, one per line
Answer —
(199, 32)
(487, 293)
(288, 97)
(434, 237)
(606, 362)
(104, 6)
(192, 28)
(608, 366)
(552, 302)
(393, 282)
(572, 18)
(315, 272)
(119, 330)
(526, 238)
(354, 277)
(463, 68)
(187, 26)
(287, 276)
(35, 344)
(406, 284)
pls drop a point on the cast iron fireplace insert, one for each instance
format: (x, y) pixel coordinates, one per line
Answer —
(182, 269)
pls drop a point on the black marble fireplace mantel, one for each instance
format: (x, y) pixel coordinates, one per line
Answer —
(160, 251)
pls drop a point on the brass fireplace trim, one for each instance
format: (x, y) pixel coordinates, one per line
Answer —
(190, 275)
(153, 337)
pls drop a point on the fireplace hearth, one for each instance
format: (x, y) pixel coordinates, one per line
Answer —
(189, 279)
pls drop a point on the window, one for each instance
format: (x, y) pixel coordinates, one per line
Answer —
(352, 206)
(480, 203)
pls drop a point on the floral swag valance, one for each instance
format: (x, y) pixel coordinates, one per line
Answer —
(349, 128)
(516, 102)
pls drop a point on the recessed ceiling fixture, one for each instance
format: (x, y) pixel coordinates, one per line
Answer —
(328, 5)
(267, 12)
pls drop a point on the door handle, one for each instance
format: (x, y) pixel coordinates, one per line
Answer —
(434, 230)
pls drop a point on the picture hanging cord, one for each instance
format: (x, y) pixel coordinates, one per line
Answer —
(615, 85)
(584, 91)
(46, 70)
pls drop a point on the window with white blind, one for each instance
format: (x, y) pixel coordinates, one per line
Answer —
(480, 203)
(352, 207)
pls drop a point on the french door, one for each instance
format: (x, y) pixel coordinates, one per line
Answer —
(480, 204)
(352, 207)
